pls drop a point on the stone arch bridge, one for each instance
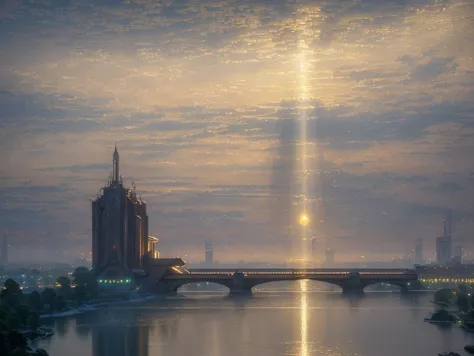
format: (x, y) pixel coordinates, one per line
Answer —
(242, 281)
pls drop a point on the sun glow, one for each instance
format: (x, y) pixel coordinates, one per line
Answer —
(304, 219)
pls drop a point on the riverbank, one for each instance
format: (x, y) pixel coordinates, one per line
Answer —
(95, 306)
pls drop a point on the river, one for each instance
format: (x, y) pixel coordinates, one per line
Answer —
(269, 323)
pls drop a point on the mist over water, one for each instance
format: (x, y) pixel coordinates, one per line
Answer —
(302, 323)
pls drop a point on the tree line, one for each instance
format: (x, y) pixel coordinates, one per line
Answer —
(20, 313)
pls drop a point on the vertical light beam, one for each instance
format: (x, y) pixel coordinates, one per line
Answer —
(303, 99)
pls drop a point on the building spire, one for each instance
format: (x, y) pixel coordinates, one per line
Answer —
(116, 169)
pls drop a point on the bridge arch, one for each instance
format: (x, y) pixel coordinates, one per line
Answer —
(208, 286)
(295, 282)
(172, 286)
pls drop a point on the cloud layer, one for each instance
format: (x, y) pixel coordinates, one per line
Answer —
(205, 101)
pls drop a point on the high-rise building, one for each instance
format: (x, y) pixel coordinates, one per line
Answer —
(4, 251)
(443, 243)
(443, 250)
(208, 253)
(457, 258)
(419, 252)
(119, 229)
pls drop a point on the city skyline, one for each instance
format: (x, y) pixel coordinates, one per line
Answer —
(204, 103)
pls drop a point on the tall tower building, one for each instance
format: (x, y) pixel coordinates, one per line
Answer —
(458, 252)
(4, 251)
(208, 253)
(443, 243)
(119, 229)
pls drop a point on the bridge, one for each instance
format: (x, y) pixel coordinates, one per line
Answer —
(241, 281)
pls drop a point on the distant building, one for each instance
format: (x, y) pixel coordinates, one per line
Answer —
(443, 243)
(457, 258)
(4, 251)
(119, 230)
(329, 258)
(419, 252)
(208, 253)
(443, 250)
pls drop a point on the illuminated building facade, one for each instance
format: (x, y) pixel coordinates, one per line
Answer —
(152, 251)
(119, 230)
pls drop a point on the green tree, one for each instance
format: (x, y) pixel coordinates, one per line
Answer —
(59, 303)
(33, 320)
(3, 327)
(34, 301)
(11, 295)
(16, 340)
(23, 312)
(40, 352)
(11, 286)
(47, 298)
(13, 322)
(84, 277)
(3, 343)
(80, 293)
(444, 296)
(64, 285)
(19, 352)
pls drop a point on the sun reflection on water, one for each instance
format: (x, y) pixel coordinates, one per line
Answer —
(304, 318)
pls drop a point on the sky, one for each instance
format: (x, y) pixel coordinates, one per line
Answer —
(206, 102)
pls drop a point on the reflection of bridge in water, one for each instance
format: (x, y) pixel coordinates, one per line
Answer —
(241, 281)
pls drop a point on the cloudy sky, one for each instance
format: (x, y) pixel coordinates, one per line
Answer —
(205, 100)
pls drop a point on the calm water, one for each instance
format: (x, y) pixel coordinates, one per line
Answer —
(268, 324)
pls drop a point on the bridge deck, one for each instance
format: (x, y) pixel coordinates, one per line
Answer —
(288, 275)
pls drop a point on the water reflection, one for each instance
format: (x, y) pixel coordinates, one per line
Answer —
(83, 328)
(115, 335)
(62, 326)
(353, 300)
(268, 324)
(304, 318)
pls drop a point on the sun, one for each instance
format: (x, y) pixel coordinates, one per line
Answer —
(304, 219)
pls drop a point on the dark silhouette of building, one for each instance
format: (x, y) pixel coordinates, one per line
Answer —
(4, 251)
(119, 230)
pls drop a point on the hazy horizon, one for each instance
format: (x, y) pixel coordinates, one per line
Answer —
(204, 100)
